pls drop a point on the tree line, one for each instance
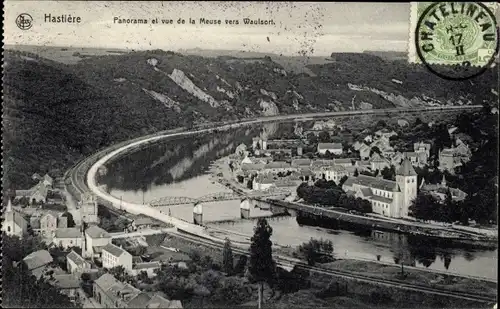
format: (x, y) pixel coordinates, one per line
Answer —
(328, 193)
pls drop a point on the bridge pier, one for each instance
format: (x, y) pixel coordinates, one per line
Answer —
(245, 209)
(198, 214)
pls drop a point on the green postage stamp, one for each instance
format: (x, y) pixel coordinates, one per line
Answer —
(453, 33)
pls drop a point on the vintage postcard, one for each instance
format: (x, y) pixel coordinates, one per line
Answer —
(249, 154)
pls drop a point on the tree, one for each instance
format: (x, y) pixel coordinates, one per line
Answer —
(356, 173)
(389, 173)
(315, 250)
(324, 137)
(261, 268)
(375, 149)
(423, 207)
(70, 220)
(19, 287)
(227, 257)
(342, 181)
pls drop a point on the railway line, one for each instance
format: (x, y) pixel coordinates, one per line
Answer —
(287, 262)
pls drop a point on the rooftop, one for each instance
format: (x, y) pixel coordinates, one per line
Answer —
(143, 220)
(96, 232)
(301, 162)
(76, 258)
(158, 301)
(114, 250)
(69, 232)
(329, 146)
(371, 182)
(66, 281)
(278, 164)
(38, 259)
(147, 265)
(252, 166)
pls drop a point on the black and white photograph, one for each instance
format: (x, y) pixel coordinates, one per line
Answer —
(168, 154)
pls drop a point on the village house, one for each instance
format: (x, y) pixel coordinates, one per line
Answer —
(95, 239)
(450, 158)
(68, 237)
(68, 285)
(345, 162)
(378, 163)
(113, 256)
(288, 183)
(301, 163)
(357, 145)
(111, 293)
(368, 139)
(305, 174)
(264, 182)
(48, 224)
(249, 168)
(385, 133)
(388, 198)
(333, 148)
(278, 166)
(141, 222)
(38, 262)
(147, 267)
(37, 194)
(363, 165)
(14, 224)
(397, 158)
(382, 144)
(241, 151)
(76, 264)
(440, 190)
(284, 151)
(422, 147)
(334, 172)
(364, 151)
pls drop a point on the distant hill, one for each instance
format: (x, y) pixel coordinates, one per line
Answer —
(58, 112)
(388, 55)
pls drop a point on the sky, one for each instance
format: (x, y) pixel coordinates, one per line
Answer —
(309, 28)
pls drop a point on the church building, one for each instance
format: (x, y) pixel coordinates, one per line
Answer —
(388, 198)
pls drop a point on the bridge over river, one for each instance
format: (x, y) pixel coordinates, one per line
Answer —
(216, 197)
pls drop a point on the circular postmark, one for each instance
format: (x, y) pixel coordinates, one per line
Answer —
(456, 40)
(24, 21)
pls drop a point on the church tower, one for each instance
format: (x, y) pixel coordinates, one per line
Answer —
(406, 178)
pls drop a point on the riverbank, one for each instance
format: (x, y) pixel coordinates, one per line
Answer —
(330, 217)
(367, 268)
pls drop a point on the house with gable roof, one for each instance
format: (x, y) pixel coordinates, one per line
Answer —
(111, 293)
(333, 148)
(68, 237)
(76, 264)
(113, 256)
(95, 239)
(38, 262)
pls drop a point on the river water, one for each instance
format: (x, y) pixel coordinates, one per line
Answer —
(180, 168)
